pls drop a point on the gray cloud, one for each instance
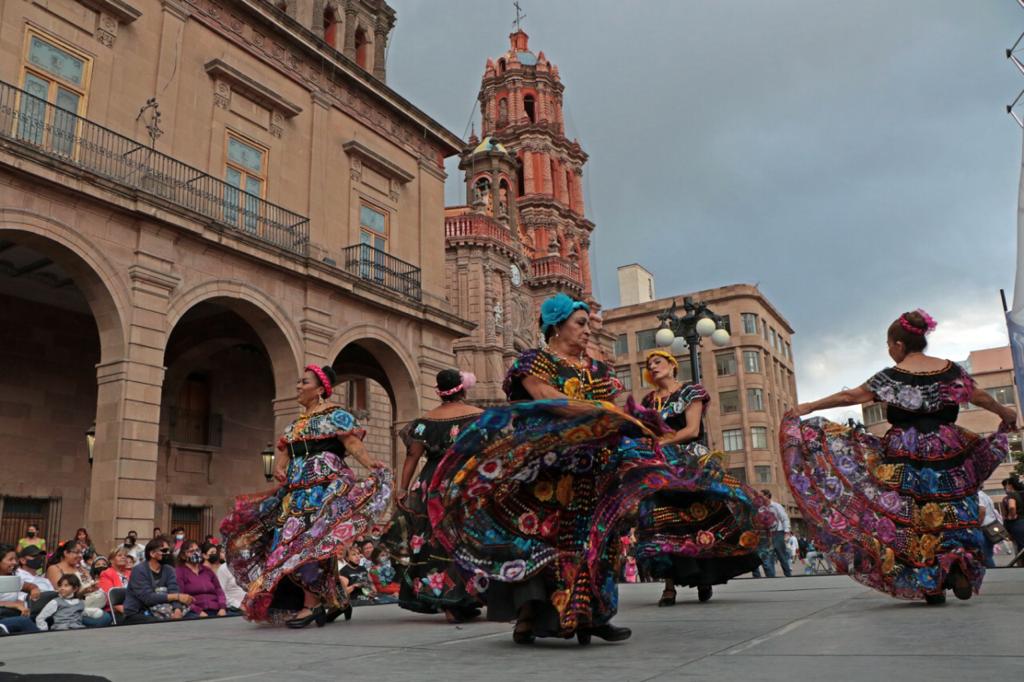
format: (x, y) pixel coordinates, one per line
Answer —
(852, 158)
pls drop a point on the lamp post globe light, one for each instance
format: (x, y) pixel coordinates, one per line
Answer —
(679, 333)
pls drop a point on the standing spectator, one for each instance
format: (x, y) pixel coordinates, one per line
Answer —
(233, 594)
(32, 538)
(988, 515)
(793, 546)
(153, 588)
(67, 610)
(778, 547)
(211, 540)
(178, 536)
(157, 533)
(198, 581)
(14, 604)
(30, 563)
(1013, 510)
(132, 546)
(82, 538)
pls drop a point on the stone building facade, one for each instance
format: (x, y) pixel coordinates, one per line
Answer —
(522, 234)
(197, 198)
(751, 380)
(992, 369)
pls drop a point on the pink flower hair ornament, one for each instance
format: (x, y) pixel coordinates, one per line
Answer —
(468, 382)
(929, 321)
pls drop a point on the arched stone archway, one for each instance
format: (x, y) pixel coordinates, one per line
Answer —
(232, 355)
(64, 307)
(277, 333)
(372, 353)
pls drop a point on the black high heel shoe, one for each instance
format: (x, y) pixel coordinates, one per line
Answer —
(523, 634)
(316, 615)
(704, 593)
(333, 614)
(668, 598)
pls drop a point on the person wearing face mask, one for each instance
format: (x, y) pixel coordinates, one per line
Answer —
(30, 564)
(153, 593)
(32, 538)
(196, 579)
(178, 536)
(132, 546)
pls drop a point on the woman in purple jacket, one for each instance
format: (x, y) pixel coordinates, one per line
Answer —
(199, 581)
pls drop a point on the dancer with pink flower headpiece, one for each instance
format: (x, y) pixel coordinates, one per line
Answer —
(899, 513)
(431, 582)
(282, 544)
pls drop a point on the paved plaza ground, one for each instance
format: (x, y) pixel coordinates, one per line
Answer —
(804, 628)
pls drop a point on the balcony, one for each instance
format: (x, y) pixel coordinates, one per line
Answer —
(34, 123)
(556, 267)
(474, 225)
(383, 269)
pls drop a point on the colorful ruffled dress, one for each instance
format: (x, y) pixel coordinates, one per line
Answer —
(897, 513)
(431, 582)
(530, 495)
(707, 536)
(280, 542)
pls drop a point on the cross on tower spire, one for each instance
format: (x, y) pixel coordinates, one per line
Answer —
(519, 16)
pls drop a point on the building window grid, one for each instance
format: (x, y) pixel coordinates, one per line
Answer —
(625, 376)
(752, 361)
(729, 402)
(749, 323)
(763, 473)
(1002, 394)
(645, 339)
(759, 437)
(732, 440)
(57, 74)
(755, 399)
(725, 363)
(622, 344)
(245, 170)
(874, 414)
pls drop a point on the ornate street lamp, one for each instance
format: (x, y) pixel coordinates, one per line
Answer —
(90, 440)
(678, 333)
(267, 455)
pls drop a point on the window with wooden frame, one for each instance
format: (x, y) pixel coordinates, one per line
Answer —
(245, 170)
(56, 74)
(374, 226)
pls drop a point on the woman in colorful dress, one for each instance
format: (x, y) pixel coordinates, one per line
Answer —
(530, 495)
(699, 538)
(899, 513)
(431, 582)
(282, 545)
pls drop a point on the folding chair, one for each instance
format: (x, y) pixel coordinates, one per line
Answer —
(115, 597)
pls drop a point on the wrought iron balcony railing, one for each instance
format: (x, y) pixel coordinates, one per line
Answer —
(383, 269)
(33, 122)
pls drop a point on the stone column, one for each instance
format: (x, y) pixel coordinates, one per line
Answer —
(380, 43)
(528, 172)
(549, 188)
(350, 32)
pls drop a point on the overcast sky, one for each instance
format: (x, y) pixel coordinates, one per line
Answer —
(852, 158)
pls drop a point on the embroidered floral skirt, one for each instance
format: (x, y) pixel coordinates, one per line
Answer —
(528, 499)
(288, 540)
(705, 537)
(431, 580)
(896, 513)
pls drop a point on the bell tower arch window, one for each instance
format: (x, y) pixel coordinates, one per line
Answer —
(330, 27)
(529, 104)
(362, 48)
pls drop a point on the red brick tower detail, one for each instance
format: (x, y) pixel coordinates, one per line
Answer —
(521, 108)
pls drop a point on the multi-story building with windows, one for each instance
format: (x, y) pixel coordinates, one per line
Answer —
(992, 369)
(197, 198)
(751, 380)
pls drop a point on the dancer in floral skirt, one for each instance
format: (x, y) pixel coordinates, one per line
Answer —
(899, 513)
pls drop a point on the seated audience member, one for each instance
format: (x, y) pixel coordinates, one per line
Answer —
(67, 610)
(32, 539)
(67, 560)
(197, 580)
(355, 579)
(30, 563)
(153, 593)
(117, 574)
(233, 593)
(366, 549)
(15, 604)
(133, 547)
(382, 573)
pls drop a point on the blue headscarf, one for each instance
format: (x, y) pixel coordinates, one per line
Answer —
(558, 309)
